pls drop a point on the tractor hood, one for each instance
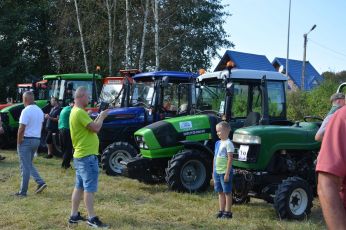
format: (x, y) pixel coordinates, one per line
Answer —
(129, 115)
(161, 138)
(303, 133)
(261, 142)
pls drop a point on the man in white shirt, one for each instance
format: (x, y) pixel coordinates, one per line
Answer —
(28, 141)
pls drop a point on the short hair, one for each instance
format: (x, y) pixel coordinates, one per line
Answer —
(81, 91)
(29, 95)
(224, 125)
(55, 98)
(337, 96)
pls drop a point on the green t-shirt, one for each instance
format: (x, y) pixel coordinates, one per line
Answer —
(84, 141)
(64, 117)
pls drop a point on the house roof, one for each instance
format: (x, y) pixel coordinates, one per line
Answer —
(295, 72)
(245, 61)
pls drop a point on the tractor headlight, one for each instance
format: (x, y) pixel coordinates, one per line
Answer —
(139, 138)
(246, 139)
(141, 143)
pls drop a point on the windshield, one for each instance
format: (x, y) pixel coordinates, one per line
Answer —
(57, 88)
(142, 93)
(40, 94)
(110, 92)
(211, 96)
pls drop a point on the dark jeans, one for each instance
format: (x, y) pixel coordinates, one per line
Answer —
(26, 151)
(66, 147)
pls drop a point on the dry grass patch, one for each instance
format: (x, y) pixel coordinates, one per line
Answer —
(127, 204)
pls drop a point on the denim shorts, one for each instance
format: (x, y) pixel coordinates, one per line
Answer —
(87, 172)
(220, 185)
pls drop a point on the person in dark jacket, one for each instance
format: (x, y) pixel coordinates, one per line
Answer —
(52, 124)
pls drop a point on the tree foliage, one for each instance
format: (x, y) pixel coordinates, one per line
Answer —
(315, 102)
(40, 37)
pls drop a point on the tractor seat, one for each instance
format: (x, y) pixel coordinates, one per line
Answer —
(252, 119)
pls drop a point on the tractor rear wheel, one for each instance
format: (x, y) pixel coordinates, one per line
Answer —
(293, 199)
(189, 171)
(114, 154)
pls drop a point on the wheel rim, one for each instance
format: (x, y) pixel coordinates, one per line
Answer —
(298, 201)
(193, 174)
(116, 158)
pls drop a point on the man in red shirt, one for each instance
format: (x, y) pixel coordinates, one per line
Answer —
(331, 168)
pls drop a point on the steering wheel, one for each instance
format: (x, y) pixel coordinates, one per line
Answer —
(207, 112)
(139, 103)
(312, 118)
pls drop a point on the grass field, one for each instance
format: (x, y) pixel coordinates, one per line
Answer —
(126, 204)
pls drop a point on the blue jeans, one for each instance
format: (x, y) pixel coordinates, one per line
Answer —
(219, 183)
(87, 172)
(26, 151)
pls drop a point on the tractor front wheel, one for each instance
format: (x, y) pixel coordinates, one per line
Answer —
(293, 199)
(114, 154)
(189, 171)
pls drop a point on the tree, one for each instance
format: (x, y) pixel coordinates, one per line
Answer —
(145, 24)
(25, 43)
(110, 6)
(81, 37)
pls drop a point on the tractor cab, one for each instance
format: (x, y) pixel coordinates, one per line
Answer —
(115, 89)
(153, 96)
(61, 86)
(243, 97)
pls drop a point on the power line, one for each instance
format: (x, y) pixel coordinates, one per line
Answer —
(325, 47)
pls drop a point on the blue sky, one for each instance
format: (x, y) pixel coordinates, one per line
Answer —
(260, 27)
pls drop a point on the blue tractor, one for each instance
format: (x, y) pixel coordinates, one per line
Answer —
(153, 96)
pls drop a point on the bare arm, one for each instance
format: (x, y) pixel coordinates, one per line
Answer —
(229, 165)
(95, 126)
(20, 134)
(320, 133)
(332, 205)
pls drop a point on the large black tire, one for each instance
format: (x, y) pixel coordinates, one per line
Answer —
(293, 199)
(189, 171)
(114, 154)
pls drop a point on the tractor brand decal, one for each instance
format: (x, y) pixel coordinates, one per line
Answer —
(185, 125)
(194, 132)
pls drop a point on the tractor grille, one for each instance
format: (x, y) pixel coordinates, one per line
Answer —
(252, 153)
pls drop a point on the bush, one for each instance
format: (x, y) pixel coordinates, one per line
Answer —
(311, 103)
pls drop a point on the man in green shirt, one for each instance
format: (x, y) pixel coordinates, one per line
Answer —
(65, 137)
(86, 145)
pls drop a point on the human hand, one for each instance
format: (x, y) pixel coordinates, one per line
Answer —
(46, 116)
(104, 113)
(19, 141)
(226, 177)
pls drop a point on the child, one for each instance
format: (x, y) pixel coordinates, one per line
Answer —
(222, 170)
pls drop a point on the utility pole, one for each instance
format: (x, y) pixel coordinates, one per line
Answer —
(288, 36)
(304, 56)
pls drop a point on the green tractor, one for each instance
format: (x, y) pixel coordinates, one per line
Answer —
(271, 152)
(61, 86)
(231, 96)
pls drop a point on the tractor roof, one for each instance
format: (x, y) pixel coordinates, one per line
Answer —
(72, 76)
(243, 74)
(160, 74)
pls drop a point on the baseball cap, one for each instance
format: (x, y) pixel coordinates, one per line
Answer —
(336, 96)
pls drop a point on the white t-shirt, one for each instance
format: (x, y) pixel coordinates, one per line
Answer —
(222, 148)
(32, 117)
